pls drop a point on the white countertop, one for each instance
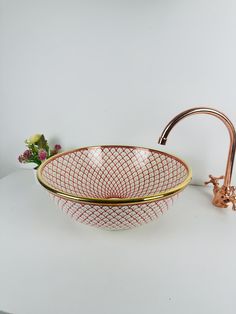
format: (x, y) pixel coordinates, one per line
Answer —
(183, 263)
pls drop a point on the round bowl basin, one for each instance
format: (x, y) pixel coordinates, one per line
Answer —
(114, 187)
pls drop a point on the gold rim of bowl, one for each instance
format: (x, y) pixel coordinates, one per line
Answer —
(114, 201)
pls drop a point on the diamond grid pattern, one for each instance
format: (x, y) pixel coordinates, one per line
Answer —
(114, 172)
(114, 217)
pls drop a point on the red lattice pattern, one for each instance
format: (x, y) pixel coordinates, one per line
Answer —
(114, 172)
(114, 217)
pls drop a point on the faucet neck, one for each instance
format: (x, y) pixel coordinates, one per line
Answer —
(224, 119)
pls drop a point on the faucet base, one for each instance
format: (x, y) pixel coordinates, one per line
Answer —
(223, 195)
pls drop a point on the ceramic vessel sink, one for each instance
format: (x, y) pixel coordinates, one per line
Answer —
(114, 187)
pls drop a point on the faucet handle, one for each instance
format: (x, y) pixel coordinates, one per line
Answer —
(232, 197)
(214, 180)
(223, 195)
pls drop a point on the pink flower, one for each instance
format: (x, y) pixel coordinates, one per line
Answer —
(21, 158)
(42, 154)
(27, 154)
(57, 147)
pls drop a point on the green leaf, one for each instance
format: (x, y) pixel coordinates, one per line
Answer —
(42, 143)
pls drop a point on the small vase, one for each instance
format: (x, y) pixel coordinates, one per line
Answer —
(28, 166)
(35, 177)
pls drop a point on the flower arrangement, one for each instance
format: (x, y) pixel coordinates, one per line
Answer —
(38, 150)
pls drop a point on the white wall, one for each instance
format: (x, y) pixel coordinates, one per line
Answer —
(107, 72)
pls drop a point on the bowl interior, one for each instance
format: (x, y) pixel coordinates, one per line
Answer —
(114, 172)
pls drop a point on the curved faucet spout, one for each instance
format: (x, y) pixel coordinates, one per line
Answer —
(225, 194)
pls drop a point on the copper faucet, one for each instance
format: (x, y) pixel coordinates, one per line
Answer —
(225, 194)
